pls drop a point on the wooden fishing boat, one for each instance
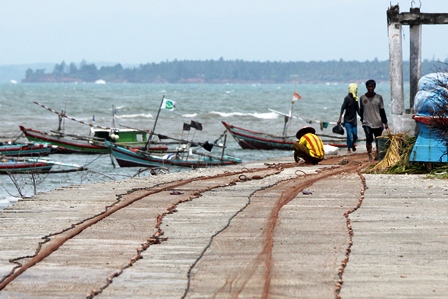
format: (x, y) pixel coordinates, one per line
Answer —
(94, 143)
(70, 143)
(11, 165)
(248, 139)
(126, 157)
(185, 155)
(67, 145)
(13, 149)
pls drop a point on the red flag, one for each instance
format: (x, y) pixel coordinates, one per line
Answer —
(296, 96)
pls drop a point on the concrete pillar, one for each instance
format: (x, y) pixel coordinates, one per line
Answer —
(396, 76)
(415, 61)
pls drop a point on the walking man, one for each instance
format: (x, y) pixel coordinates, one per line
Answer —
(373, 117)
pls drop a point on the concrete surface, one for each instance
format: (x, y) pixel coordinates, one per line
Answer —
(270, 229)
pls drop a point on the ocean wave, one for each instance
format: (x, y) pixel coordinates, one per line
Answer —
(267, 115)
(140, 115)
(190, 115)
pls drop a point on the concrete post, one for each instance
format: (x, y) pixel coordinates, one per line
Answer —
(402, 119)
(396, 75)
(415, 61)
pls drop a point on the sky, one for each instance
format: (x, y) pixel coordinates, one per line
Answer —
(149, 31)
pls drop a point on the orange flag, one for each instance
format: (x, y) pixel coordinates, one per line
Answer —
(296, 96)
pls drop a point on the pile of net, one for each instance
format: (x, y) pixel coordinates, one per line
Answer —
(397, 155)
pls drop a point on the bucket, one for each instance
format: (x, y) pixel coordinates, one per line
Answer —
(383, 143)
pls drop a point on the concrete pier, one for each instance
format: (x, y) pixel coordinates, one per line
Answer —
(270, 229)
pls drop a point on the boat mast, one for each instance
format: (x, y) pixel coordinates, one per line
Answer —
(288, 119)
(113, 117)
(148, 142)
(61, 122)
(224, 147)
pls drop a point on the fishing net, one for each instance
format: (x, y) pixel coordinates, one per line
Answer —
(397, 154)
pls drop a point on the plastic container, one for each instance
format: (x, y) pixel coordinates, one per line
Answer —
(383, 143)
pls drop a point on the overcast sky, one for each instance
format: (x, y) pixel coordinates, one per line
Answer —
(144, 31)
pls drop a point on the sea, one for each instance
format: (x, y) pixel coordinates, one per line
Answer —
(137, 106)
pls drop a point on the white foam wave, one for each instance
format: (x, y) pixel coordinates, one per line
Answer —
(13, 199)
(267, 115)
(140, 115)
(6, 202)
(190, 115)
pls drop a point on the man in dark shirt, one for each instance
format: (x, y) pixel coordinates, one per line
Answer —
(350, 110)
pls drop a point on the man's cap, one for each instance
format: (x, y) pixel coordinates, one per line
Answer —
(305, 130)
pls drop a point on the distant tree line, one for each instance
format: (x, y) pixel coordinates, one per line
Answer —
(227, 71)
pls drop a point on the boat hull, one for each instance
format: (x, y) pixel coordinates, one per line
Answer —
(66, 145)
(72, 146)
(26, 149)
(12, 166)
(129, 158)
(260, 141)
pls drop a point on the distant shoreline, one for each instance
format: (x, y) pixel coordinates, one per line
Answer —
(212, 72)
